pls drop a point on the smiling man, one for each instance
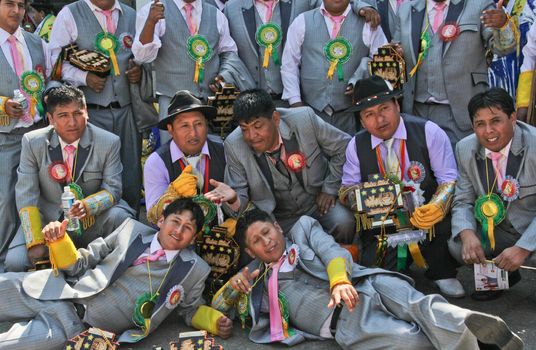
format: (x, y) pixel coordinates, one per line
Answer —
(498, 160)
(106, 285)
(70, 152)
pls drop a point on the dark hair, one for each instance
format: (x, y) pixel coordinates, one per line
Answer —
(246, 220)
(494, 97)
(251, 104)
(63, 95)
(182, 204)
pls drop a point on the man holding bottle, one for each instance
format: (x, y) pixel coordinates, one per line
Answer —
(68, 156)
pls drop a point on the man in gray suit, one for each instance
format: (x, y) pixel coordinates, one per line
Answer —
(509, 176)
(308, 274)
(445, 45)
(247, 18)
(68, 153)
(287, 162)
(104, 285)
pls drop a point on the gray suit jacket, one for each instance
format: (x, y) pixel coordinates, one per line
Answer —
(462, 81)
(472, 183)
(322, 144)
(106, 259)
(316, 250)
(98, 167)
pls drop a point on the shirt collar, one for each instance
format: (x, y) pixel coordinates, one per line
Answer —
(155, 245)
(323, 10)
(177, 154)
(63, 143)
(96, 8)
(196, 4)
(4, 35)
(400, 134)
(431, 4)
(504, 151)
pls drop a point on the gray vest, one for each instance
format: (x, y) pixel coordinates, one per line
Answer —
(174, 68)
(112, 308)
(117, 88)
(269, 78)
(430, 81)
(290, 197)
(9, 80)
(318, 91)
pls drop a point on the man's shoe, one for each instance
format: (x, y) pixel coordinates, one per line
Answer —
(490, 329)
(486, 295)
(450, 287)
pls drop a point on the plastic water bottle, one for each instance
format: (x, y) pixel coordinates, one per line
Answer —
(20, 98)
(67, 201)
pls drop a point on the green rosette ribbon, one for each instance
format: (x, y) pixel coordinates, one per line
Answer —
(209, 209)
(33, 84)
(108, 44)
(200, 51)
(423, 52)
(338, 52)
(269, 36)
(489, 211)
(285, 314)
(401, 257)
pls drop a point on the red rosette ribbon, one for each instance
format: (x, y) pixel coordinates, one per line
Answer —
(295, 161)
(58, 172)
(449, 32)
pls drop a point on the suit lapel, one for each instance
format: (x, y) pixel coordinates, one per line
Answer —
(383, 9)
(54, 152)
(291, 146)
(417, 18)
(176, 274)
(133, 252)
(251, 27)
(516, 157)
(265, 170)
(486, 181)
(453, 14)
(285, 7)
(256, 294)
(82, 153)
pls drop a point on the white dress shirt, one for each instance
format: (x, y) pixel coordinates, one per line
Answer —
(26, 59)
(63, 144)
(155, 246)
(262, 10)
(220, 5)
(290, 67)
(148, 52)
(529, 50)
(432, 10)
(505, 152)
(65, 32)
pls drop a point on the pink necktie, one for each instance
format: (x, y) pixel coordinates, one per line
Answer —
(110, 25)
(438, 17)
(269, 9)
(70, 150)
(337, 22)
(15, 56)
(496, 158)
(276, 322)
(153, 257)
(188, 8)
(398, 3)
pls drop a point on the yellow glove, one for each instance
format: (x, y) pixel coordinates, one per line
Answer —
(230, 225)
(186, 184)
(427, 216)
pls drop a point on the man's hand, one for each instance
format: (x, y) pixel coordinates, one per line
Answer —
(495, 18)
(371, 16)
(325, 202)
(213, 86)
(242, 281)
(349, 90)
(346, 293)
(95, 82)
(222, 193)
(14, 109)
(297, 104)
(156, 12)
(472, 252)
(225, 327)
(78, 210)
(522, 114)
(55, 230)
(37, 252)
(511, 258)
(133, 73)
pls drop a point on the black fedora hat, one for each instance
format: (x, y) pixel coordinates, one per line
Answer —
(372, 91)
(184, 101)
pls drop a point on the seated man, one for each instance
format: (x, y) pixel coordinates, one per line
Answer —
(497, 161)
(190, 146)
(287, 162)
(309, 274)
(70, 152)
(413, 152)
(304, 277)
(110, 282)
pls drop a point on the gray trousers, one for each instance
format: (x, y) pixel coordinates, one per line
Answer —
(338, 222)
(37, 324)
(105, 223)
(442, 116)
(393, 315)
(121, 122)
(342, 120)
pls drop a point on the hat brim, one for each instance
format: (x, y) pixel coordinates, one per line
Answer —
(375, 100)
(208, 111)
